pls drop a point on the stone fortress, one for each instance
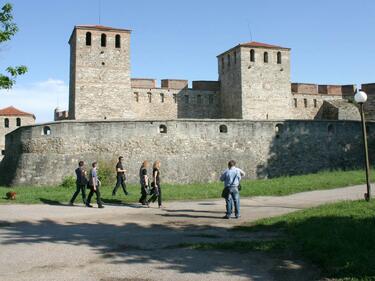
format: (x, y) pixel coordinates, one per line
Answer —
(253, 114)
(254, 84)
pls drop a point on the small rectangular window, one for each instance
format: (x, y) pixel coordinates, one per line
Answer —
(305, 102)
(175, 98)
(315, 103)
(199, 99)
(295, 103)
(149, 97)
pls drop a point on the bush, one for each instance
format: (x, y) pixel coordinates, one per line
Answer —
(68, 182)
(107, 173)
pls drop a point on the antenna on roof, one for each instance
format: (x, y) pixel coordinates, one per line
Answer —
(99, 9)
(250, 33)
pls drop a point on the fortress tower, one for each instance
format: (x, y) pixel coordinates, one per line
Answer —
(100, 86)
(255, 82)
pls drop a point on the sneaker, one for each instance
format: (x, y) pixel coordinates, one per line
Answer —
(226, 217)
(100, 206)
(238, 217)
(88, 206)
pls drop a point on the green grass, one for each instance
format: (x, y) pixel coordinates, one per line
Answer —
(240, 246)
(339, 238)
(275, 186)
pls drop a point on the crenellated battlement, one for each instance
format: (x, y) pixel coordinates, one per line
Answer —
(316, 89)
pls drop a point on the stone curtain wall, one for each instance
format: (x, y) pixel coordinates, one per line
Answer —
(190, 150)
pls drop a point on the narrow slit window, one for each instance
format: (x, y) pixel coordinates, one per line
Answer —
(149, 97)
(265, 57)
(136, 96)
(295, 102)
(18, 122)
(118, 41)
(252, 55)
(162, 98)
(103, 40)
(175, 98)
(6, 123)
(279, 57)
(88, 38)
(305, 102)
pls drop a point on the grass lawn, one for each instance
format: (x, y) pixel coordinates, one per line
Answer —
(276, 186)
(339, 238)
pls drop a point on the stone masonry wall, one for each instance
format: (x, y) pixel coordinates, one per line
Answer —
(189, 150)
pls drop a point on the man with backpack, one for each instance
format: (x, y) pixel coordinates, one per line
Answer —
(81, 183)
(231, 178)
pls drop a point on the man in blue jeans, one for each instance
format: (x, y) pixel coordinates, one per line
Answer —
(231, 178)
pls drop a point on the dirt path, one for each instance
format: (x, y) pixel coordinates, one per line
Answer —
(128, 242)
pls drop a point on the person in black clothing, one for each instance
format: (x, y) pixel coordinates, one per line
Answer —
(94, 185)
(81, 183)
(120, 177)
(156, 188)
(143, 180)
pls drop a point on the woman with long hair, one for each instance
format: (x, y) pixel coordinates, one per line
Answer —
(144, 181)
(156, 188)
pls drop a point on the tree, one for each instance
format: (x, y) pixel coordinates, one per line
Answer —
(7, 30)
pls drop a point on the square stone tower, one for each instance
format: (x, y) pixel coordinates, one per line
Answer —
(100, 86)
(255, 82)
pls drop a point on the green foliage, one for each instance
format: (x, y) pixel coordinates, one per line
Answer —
(68, 182)
(199, 191)
(339, 237)
(7, 30)
(107, 173)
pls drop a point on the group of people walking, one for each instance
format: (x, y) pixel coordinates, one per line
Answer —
(150, 185)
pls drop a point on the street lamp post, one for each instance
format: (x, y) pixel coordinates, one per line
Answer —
(360, 98)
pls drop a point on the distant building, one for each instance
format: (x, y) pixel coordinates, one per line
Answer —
(10, 119)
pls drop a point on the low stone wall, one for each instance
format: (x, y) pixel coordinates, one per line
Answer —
(189, 150)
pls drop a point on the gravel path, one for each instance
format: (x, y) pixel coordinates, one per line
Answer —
(128, 242)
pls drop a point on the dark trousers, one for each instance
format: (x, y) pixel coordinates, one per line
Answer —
(156, 195)
(120, 181)
(80, 188)
(97, 192)
(143, 195)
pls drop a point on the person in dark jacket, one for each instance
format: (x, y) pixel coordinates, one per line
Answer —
(144, 181)
(81, 183)
(120, 177)
(156, 188)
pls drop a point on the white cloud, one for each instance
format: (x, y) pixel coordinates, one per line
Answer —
(40, 98)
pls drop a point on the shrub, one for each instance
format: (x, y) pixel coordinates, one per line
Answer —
(68, 182)
(107, 173)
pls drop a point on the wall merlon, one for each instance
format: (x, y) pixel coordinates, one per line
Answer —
(206, 85)
(304, 88)
(145, 83)
(174, 83)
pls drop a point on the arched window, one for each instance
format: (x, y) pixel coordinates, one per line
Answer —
(103, 40)
(18, 122)
(118, 41)
(228, 57)
(46, 131)
(252, 55)
(223, 129)
(265, 57)
(88, 38)
(162, 129)
(279, 57)
(6, 123)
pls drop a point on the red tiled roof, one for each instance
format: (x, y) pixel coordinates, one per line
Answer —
(261, 45)
(101, 27)
(12, 111)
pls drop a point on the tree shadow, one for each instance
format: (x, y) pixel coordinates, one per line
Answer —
(134, 244)
(341, 245)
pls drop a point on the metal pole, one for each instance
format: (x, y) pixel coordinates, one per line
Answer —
(368, 194)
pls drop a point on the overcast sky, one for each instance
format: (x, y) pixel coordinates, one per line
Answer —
(333, 42)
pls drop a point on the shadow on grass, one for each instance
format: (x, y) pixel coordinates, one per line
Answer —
(343, 246)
